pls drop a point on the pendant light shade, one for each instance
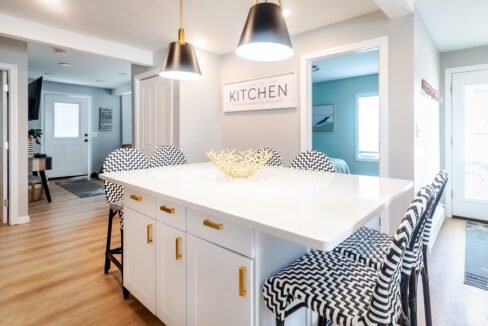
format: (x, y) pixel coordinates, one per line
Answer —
(180, 60)
(265, 35)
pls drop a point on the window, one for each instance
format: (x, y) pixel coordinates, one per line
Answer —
(368, 130)
(66, 120)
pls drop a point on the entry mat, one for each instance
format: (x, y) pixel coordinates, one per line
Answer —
(83, 188)
(476, 268)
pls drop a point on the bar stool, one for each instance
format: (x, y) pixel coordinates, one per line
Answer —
(345, 291)
(122, 159)
(312, 160)
(167, 155)
(275, 159)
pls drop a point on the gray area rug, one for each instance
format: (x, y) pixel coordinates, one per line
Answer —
(476, 265)
(83, 188)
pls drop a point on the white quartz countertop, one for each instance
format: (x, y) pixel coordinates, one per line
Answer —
(316, 209)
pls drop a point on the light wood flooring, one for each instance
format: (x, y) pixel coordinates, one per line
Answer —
(51, 271)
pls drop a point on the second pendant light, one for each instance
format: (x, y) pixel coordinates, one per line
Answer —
(180, 61)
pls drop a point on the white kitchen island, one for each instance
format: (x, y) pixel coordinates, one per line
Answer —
(198, 244)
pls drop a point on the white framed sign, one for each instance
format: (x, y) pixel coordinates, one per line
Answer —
(273, 92)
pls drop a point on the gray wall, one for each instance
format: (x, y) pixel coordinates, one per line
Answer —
(106, 141)
(452, 59)
(280, 129)
(15, 52)
(126, 107)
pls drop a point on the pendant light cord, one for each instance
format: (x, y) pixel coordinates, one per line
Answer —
(181, 31)
(181, 13)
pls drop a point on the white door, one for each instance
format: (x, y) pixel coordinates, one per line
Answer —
(66, 134)
(140, 257)
(220, 286)
(170, 275)
(4, 146)
(154, 117)
(470, 144)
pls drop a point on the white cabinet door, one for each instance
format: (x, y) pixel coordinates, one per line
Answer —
(170, 275)
(220, 285)
(140, 257)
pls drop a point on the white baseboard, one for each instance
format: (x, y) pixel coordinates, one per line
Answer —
(21, 220)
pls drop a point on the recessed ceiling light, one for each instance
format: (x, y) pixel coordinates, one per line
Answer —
(56, 5)
(122, 73)
(286, 12)
(65, 64)
(100, 81)
(48, 73)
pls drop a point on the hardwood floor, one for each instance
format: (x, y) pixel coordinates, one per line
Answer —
(51, 271)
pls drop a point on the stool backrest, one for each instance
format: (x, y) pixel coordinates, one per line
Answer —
(167, 155)
(275, 159)
(312, 160)
(439, 185)
(386, 298)
(122, 159)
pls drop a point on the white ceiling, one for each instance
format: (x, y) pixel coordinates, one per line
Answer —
(151, 24)
(455, 24)
(347, 66)
(86, 70)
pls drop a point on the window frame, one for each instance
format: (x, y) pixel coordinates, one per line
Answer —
(357, 155)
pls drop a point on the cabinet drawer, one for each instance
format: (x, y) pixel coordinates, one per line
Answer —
(140, 202)
(222, 232)
(171, 214)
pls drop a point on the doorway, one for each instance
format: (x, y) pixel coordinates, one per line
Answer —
(66, 140)
(376, 148)
(4, 154)
(469, 143)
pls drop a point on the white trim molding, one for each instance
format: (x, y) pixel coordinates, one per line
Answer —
(306, 60)
(15, 192)
(27, 30)
(449, 72)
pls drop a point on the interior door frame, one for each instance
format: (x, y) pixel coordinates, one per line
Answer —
(175, 116)
(90, 138)
(14, 144)
(448, 153)
(306, 61)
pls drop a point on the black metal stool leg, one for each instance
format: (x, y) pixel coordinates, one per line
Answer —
(425, 287)
(125, 292)
(412, 298)
(280, 322)
(111, 215)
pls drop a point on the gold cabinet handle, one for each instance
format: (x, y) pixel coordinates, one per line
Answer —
(149, 233)
(242, 281)
(213, 225)
(179, 255)
(166, 209)
(136, 197)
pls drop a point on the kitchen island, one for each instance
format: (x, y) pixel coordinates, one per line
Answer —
(198, 244)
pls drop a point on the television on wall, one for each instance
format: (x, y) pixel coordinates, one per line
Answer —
(35, 88)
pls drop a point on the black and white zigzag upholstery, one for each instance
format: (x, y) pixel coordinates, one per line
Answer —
(313, 160)
(275, 159)
(167, 155)
(122, 159)
(439, 184)
(342, 290)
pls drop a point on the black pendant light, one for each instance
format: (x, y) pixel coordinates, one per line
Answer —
(265, 35)
(180, 61)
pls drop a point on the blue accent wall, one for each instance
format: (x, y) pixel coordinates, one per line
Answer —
(341, 143)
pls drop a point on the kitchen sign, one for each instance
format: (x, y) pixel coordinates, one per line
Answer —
(274, 92)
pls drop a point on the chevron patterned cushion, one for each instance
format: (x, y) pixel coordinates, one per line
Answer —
(342, 289)
(122, 159)
(166, 156)
(275, 159)
(312, 160)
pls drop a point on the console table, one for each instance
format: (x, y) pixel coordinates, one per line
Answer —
(40, 165)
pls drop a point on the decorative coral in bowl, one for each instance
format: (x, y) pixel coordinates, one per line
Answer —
(239, 164)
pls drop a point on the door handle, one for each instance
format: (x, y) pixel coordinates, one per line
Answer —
(149, 234)
(242, 281)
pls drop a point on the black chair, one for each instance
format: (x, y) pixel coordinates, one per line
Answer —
(123, 159)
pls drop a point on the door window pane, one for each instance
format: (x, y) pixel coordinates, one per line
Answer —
(66, 120)
(476, 142)
(368, 133)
